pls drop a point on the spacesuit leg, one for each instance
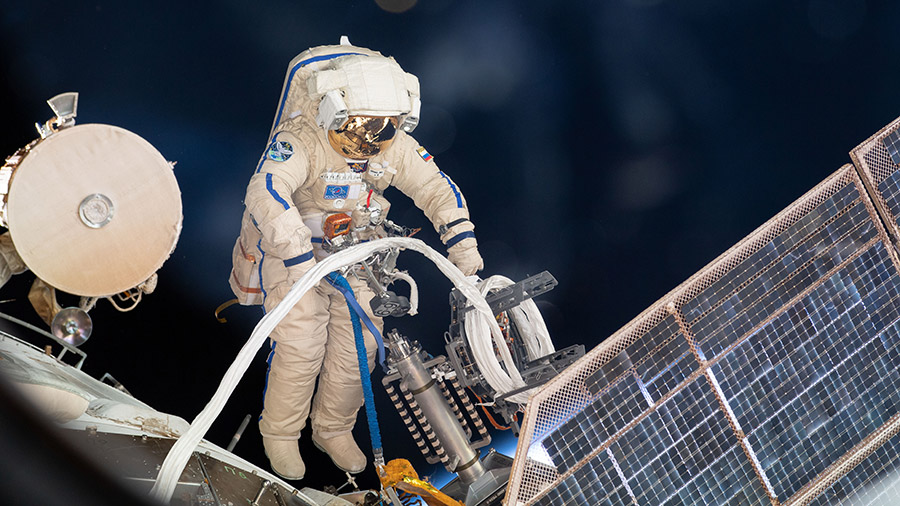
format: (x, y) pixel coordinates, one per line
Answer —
(298, 347)
(340, 395)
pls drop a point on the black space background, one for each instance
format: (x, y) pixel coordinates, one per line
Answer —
(619, 144)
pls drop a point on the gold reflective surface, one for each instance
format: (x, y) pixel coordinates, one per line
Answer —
(363, 137)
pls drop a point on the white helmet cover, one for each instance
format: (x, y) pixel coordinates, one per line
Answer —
(330, 83)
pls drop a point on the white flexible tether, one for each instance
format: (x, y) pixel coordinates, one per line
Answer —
(181, 452)
(527, 318)
(534, 334)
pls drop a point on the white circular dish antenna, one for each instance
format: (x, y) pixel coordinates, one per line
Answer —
(94, 210)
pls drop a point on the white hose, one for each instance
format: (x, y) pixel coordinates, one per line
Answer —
(181, 452)
(413, 291)
(534, 333)
(527, 318)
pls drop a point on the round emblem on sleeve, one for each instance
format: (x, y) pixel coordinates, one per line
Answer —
(280, 151)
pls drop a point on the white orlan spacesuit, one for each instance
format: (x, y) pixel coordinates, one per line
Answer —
(339, 139)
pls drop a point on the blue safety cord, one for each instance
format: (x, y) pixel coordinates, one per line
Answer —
(354, 306)
(343, 286)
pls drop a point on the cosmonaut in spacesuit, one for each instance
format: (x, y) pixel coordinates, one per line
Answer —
(339, 139)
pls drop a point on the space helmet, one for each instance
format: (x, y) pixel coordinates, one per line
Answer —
(360, 97)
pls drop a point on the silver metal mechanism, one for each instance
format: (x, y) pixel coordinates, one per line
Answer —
(406, 359)
(65, 107)
(417, 422)
(378, 270)
(96, 210)
(277, 495)
(392, 495)
(534, 372)
(431, 397)
(262, 490)
(385, 303)
(351, 481)
(445, 429)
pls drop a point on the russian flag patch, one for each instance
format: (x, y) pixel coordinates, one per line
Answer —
(424, 154)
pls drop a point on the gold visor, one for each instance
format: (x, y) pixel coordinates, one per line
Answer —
(363, 137)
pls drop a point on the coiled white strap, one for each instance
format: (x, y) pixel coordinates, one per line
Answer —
(534, 333)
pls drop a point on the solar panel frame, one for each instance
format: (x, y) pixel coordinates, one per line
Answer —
(741, 269)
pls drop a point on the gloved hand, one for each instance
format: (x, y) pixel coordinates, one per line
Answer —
(464, 255)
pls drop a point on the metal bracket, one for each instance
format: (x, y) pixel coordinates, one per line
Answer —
(65, 107)
(511, 296)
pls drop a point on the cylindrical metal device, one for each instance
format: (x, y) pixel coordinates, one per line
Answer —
(406, 358)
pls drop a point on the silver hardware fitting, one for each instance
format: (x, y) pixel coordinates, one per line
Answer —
(65, 107)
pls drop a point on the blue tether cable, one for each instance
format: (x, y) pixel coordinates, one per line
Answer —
(343, 286)
(334, 279)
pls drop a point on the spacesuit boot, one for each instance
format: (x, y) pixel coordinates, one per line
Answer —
(284, 457)
(343, 451)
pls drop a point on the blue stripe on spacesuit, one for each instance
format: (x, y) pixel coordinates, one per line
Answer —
(268, 368)
(275, 194)
(294, 70)
(459, 237)
(266, 152)
(261, 258)
(262, 160)
(287, 89)
(298, 259)
(459, 203)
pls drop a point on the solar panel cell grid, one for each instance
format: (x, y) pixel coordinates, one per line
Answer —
(770, 292)
(680, 369)
(890, 191)
(615, 408)
(875, 481)
(758, 261)
(877, 159)
(609, 372)
(774, 288)
(597, 482)
(892, 144)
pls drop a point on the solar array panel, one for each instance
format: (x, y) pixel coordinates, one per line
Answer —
(891, 142)
(769, 377)
(873, 481)
(878, 160)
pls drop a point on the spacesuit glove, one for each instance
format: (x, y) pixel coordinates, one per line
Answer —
(464, 255)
